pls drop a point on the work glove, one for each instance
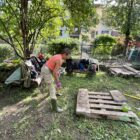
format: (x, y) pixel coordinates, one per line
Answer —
(58, 85)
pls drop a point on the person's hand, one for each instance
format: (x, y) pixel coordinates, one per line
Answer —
(58, 74)
(58, 85)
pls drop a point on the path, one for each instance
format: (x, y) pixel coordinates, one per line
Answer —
(86, 49)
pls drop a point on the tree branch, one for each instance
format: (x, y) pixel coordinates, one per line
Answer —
(6, 41)
(13, 11)
(2, 38)
(7, 32)
(18, 42)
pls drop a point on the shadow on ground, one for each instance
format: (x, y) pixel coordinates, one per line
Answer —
(27, 115)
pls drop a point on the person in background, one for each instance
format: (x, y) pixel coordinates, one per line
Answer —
(133, 55)
(130, 47)
(41, 58)
(50, 73)
(40, 55)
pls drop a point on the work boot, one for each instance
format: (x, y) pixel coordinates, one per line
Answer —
(54, 106)
(58, 94)
(60, 110)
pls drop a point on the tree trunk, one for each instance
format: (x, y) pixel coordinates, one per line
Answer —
(128, 25)
(127, 37)
(24, 27)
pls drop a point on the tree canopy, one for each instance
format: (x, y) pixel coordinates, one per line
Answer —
(22, 22)
(124, 15)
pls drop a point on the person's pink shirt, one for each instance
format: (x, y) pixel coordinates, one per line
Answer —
(52, 61)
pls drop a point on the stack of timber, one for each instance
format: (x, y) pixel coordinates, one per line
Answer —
(119, 69)
(124, 71)
(105, 65)
(103, 105)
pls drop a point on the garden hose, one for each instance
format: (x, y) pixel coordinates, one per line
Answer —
(134, 97)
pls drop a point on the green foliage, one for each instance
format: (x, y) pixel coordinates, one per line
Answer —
(6, 70)
(32, 123)
(5, 52)
(51, 29)
(85, 38)
(56, 46)
(124, 15)
(16, 61)
(83, 14)
(24, 23)
(103, 44)
(21, 22)
(126, 108)
(105, 40)
(119, 47)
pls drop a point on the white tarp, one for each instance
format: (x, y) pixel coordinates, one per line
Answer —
(14, 77)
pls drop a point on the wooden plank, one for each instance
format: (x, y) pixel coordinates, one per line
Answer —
(82, 102)
(131, 69)
(99, 97)
(98, 93)
(117, 66)
(116, 70)
(122, 71)
(124, 118)
(113, 113)
(105, 102)
(102, 106)
(118, 96)
(98, 106)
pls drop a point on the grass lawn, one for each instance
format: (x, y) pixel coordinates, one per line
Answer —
(26, 114)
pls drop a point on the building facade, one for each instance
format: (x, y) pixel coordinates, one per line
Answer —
(101, 28)
(1, 2)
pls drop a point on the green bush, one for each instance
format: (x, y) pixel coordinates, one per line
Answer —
(5, 52)
(16, 61)
(85, 38)
(103, 45)
(56, 46)
(119, 47)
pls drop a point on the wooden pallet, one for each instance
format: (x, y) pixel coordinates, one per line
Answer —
(124, 71)
(102, 105)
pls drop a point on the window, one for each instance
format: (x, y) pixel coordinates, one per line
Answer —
(93, 34)
(114, 33)
(105, 32)
(76, 29)
(96, 32)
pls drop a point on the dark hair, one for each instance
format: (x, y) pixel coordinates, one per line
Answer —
(66, 51)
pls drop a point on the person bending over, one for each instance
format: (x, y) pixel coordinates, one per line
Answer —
(50, 73)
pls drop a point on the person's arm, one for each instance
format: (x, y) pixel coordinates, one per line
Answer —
(56, 70)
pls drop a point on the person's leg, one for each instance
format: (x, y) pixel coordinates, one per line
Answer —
(58, 91)
(52, 89)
